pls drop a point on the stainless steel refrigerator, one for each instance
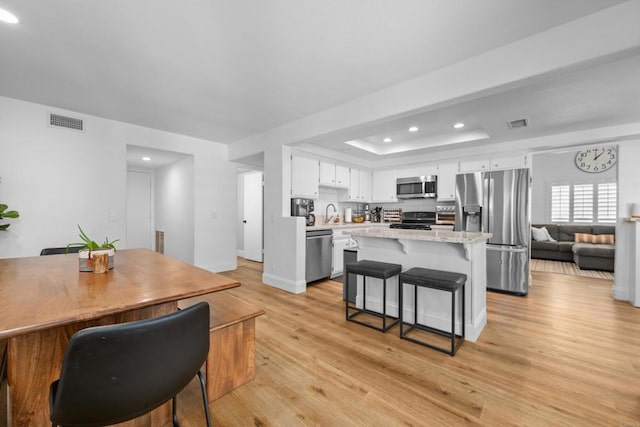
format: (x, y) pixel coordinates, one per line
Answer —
(498, 202)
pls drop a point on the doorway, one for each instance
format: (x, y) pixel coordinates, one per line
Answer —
(250, 210)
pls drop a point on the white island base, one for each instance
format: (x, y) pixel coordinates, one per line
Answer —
(439, 250)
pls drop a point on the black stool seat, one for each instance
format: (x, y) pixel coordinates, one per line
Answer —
(379, 270)
(433, 279)
(436, 279)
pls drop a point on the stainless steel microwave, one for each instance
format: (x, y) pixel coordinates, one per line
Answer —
(417, 187)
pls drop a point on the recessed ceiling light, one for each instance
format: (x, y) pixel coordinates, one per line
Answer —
(413, 129)
(8, 17)
(387, 140)
(459, 125)
(146, 159)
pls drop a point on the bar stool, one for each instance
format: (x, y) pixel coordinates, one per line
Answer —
(380, 270)
(433, 279)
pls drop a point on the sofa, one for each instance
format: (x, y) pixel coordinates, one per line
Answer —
(586, 253)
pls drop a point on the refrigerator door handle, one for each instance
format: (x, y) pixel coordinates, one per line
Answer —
(485, 204)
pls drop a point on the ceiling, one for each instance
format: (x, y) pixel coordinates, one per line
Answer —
(226, 70)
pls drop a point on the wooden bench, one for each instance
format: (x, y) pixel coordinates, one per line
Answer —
(231, 360)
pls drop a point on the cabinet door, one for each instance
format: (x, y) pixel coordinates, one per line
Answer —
(447, 181)
(339, 245)
(342, 176)
(327, 174)
(384, 186)
(304, 177)
(475, 166)
(515, 162)
(365, 186)
(420, 170)
(354, 184)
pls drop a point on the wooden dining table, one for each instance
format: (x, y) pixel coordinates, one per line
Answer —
(45, 299)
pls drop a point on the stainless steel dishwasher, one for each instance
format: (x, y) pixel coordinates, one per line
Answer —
(319, 255)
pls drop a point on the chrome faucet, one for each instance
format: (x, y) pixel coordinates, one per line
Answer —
(326, 212)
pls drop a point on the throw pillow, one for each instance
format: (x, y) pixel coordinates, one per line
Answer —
(546, 232)
(538, 234)
(607, 239)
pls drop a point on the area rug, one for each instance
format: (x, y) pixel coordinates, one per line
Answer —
(567, 268)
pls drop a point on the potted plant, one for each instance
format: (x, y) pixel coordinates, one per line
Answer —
(4, 213)
(90, 249)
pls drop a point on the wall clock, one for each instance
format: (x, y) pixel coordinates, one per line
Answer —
(595, 160)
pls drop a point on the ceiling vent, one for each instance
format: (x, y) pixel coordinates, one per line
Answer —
(57, 120)
(520, 123)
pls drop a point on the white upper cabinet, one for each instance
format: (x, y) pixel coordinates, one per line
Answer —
(475, 166)
(327, 173)
(494, 163)
(342, 176)
(513, 162)
(305, 174)
(332, 175)
(447, 181)
(365, 185)
(359, 185)
(422, 170)
(384, 186)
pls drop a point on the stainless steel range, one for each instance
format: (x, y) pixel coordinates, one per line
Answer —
(416, 220)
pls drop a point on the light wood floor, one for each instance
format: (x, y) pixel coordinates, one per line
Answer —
(568, 354)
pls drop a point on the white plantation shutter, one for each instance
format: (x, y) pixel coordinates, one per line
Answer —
(583, 203)
(560, 203)
(607, 202)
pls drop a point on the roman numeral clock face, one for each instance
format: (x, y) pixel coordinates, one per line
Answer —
(595, 160)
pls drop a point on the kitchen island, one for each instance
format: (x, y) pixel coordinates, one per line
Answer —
(460, 252)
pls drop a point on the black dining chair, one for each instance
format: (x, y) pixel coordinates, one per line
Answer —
(111, 374)
(58, 251)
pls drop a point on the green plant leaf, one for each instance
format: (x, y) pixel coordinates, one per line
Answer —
(4, 226)
(3, 207)
(10, 214)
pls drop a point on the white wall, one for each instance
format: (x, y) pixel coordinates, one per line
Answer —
(558, 168)
(284, 236)
(57, 178)
(174, 208)
(627, 260)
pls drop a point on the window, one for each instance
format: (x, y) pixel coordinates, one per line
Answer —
(560, 203)
(607, 202)
(584, 203)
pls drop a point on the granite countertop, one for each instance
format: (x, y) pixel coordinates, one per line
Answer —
(433, 235)
(341, 225)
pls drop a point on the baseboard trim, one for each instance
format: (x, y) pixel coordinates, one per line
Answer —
(295, 287)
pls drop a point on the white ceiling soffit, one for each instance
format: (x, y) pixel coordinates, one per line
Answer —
(429, 142)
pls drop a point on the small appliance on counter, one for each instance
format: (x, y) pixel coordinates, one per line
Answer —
(446, 212)
(366, 213)
(422, 220)
(376, 214)
(303, 207)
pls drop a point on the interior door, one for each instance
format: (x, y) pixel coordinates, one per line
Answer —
(139, 218)
(253, 216)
